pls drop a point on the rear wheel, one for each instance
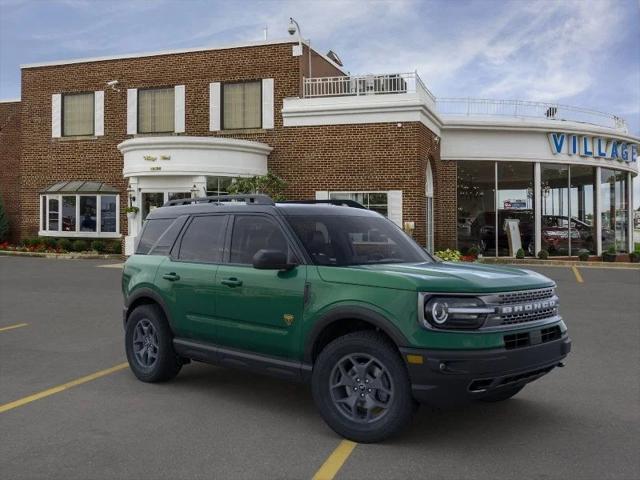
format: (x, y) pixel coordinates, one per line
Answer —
(502, 394)
(361, 387)
(149, 345)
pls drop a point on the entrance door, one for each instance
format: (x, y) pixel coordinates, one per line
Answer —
(151, 201)
(259, 310)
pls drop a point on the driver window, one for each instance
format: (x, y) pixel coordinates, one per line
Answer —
(252, 233)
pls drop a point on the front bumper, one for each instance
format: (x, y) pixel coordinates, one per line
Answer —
(451, 377)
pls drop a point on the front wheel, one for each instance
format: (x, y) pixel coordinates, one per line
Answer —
(149, 345)
(362, 388)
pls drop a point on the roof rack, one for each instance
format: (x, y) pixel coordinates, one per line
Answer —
(249, 199)
(337, 202)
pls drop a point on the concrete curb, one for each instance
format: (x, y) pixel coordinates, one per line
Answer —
(560, 263)
(64, 256)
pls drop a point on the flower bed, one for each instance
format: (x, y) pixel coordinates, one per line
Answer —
(64, 245)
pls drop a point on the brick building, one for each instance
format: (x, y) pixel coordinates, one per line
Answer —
(90, 137)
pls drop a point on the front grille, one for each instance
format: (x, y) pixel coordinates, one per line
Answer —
(523, 298)
(521, 340)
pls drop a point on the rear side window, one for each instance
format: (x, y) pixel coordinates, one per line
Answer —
(203, 241)
(151, 232)
(253, 233)
(168, 238)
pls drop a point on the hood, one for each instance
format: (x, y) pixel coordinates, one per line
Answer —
(438, 277)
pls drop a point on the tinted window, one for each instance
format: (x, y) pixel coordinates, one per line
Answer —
(253, 233)
(204, 239)
(151, 233)
(168, 238)
(354, 240)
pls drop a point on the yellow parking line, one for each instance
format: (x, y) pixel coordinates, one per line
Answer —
(51, 391)
(576, 272)
(334, 463)
(11, 327)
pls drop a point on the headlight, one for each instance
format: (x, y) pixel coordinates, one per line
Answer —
(455, 312)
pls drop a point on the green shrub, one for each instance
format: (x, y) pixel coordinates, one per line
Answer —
(65, 244)
(543, 254)
(612, 250)
(520, 253)
(48, 242)
(474, 251)
(449, 255)
(98, 245)
(115, 247)
(583, 255)
(4, 223)
(80, 246)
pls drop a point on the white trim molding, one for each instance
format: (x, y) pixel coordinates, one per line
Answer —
(267, 103)
(394, 206)
(179, 109)
(132, 111)
(98, 121)
(56, 115)
(184, 155)
(214, 107)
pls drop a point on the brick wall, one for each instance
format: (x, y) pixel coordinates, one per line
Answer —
(10, 163)
(338, 157)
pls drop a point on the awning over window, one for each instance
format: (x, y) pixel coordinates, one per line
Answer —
(79, 186)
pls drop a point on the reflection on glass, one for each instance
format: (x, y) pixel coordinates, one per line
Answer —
(614, 208)
(555, 208)
(151, 201)
(178, 195)
(476, 206)
(515, 206)
(69, 214)
(582, 204)
(53, 214)
(108, 213)
(88, 213)
(219, 185)
(376, 201)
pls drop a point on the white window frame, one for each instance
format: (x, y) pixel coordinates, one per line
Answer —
(44, 216)
(95, 114)
(344, 192)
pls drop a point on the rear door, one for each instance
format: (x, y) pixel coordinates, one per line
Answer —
(187, 277)
(259, 310)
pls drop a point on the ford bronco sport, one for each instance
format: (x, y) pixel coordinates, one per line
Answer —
(338, 296)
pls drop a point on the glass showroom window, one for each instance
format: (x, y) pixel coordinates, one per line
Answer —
(477, 206)
(515, 208)
(242, 105)
(376, 201)
(80, 215)
(219, 185)
(77, 114)
(156, 110)
(614, 209)
(555, 208)
(582, 207)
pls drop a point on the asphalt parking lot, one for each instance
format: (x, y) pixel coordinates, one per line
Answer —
(582, 421)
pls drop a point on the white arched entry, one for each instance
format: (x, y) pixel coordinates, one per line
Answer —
(428, 190)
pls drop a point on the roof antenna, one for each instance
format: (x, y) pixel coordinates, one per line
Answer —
(266, 32)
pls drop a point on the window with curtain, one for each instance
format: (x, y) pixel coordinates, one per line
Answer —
(241, 105)
(77, 114)
(156, 109)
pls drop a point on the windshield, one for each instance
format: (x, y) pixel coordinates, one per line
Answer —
(355, 240)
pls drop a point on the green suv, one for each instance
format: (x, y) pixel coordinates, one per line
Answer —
(336, 295)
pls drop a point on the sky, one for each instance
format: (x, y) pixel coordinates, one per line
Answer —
(576, 52)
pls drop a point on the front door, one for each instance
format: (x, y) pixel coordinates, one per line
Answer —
(259, 310)
(187, 278)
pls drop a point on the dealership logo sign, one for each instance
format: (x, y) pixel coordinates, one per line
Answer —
(597, 147)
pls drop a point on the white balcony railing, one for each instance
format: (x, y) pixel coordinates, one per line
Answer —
(525, 109)
(356, 85)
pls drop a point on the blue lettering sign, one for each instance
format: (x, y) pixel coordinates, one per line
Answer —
(601, 150)
(634, 152)
(573, 147)
(586, 149)
(624, 153)
(614, 150)
(557, 142)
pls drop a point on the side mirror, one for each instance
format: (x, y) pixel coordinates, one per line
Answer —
(271, 260)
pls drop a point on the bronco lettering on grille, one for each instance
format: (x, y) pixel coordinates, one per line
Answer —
(527, 307)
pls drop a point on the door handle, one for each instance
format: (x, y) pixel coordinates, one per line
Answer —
(231, 282)
(172, 277)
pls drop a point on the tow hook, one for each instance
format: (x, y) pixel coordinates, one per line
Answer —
(560, 364)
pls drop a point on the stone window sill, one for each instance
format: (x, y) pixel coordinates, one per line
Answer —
(77, 138)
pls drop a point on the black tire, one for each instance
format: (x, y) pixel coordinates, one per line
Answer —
(166, 364)
(502, 394)
(394, 390)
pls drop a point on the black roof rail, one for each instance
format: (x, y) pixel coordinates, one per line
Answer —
(337, 202)
(253, 199)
